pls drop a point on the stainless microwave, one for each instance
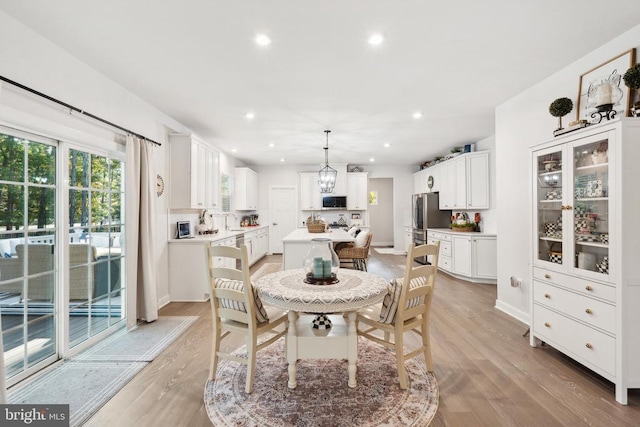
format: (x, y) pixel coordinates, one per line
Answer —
(334, 202)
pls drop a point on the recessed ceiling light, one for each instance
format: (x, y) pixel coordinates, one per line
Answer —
(372, 159)
(249, 115)
(282, 160)
(234, 150)
(387, 145)
(417, 115)
(376, 39)
(271, 145)
(262, 40)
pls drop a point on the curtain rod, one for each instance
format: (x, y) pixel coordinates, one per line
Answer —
(78, 110)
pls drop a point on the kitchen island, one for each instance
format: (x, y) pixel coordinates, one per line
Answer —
(296, 244)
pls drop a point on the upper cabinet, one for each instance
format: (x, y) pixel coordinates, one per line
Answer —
(465, 182)
(246, 190)
(357, 191)
(427, 180)
(195, 173)
(477, 179)
(309, 192)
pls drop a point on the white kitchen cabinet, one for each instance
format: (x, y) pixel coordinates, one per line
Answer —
(427, 180)
(444, 258)
(461, 246)
(434, 181)
(357, 191)
(469, 256)
(484, 263)
(188, 277)
(463, 182)
(263, 242)
(477, 180)
(246, 190)
(257, 242)
(408, 237)
(195, 173)
(585, 290)
(309, 192)
(420, 182)
(459, 166)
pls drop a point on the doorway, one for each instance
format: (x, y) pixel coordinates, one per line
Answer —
(282, 212)
(381, 211)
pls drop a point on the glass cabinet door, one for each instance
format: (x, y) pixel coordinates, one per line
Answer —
(591, 207)
(548, 166)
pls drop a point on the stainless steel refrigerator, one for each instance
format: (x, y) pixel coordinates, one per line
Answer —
(427, 214)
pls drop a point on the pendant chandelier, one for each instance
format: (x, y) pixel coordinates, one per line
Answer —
(327, 175)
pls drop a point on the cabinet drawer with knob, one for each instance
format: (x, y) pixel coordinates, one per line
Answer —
(576, 284)
(590, 347)
(596, 313)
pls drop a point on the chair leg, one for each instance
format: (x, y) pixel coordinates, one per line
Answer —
(251, 362)
(426, 343)
(402, 373)
(215, 348)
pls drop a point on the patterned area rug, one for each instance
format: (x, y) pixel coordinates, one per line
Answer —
(322, 397)
(87, 381)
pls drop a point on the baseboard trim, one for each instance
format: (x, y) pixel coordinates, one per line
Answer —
(164, 301)
(514, 312)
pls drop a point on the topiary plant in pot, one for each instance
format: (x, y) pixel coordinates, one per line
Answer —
(560, 107)
(632, 80)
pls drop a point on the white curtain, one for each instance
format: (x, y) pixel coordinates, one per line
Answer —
(142, 301)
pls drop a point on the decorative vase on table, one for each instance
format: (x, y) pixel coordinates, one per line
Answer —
(321, 265)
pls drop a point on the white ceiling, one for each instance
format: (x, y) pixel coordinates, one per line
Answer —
(455, 61)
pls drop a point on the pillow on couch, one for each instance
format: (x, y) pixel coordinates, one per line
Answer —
(237, 285)
(391, 299)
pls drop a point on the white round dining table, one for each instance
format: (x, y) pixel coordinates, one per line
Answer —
(354, 290)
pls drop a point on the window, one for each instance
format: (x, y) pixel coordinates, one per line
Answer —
(226, 190)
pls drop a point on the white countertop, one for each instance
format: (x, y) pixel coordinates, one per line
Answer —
(220, 235)
(302, 235)
(469, 233)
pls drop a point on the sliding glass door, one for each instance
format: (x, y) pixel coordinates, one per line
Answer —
(28, 233)
(61, 249)
(96, 252)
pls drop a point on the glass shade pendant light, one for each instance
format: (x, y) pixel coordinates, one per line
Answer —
(327, 175)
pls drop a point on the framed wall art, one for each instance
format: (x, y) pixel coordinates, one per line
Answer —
(611, 72)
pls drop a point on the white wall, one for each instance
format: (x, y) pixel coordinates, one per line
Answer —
(33, 61)
(522, 122)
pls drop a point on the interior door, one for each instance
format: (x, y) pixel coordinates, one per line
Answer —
(282, 212)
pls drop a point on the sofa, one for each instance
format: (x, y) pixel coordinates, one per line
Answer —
(87, 277)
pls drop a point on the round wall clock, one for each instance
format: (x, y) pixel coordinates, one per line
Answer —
(159, 185)
(430, 181)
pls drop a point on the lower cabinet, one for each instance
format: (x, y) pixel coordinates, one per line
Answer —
(188, 275)
(257, 242)
(578, 317)
(408, 237)
(470, 256)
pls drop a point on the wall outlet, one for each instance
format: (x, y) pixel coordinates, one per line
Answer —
(516, 282)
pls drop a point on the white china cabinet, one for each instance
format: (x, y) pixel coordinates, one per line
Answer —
(585, 293)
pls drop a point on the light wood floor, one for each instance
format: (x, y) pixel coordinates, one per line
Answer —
(487, 372)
